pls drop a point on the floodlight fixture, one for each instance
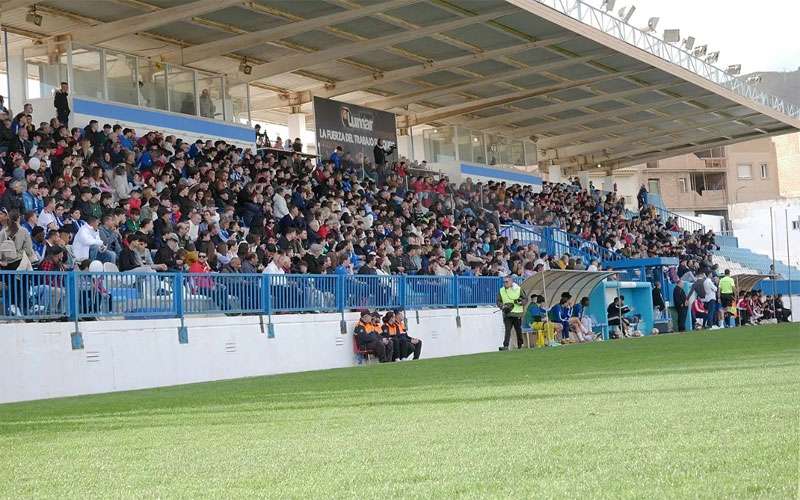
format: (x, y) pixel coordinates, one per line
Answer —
(672, 36)
(608, 5)
(712, 57)
(688, 43)
(701, 51)
(652, 24)
(734, 69)
(245, 68)
(33, 18)
(626, 13)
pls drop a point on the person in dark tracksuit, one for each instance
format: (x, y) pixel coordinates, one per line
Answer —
(368, 335)
(681, 303)
(394, 329)
(61, 103)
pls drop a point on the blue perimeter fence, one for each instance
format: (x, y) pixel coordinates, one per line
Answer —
(37, 295)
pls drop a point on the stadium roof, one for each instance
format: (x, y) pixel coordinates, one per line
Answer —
(587, 87)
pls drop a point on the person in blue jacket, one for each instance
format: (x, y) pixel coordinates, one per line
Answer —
(336, 157)
(562, 313)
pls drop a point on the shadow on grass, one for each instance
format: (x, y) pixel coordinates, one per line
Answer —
(261, 412)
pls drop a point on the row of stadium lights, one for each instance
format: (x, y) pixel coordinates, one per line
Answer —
(674, 36)
(625, 14)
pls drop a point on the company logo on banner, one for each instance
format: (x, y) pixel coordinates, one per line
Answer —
(355, 128)
(353, 120)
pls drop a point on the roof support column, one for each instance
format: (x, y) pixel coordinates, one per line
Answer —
(404, 144)
(608, 181)
(17, 77)
(296, 123)
(554, 173)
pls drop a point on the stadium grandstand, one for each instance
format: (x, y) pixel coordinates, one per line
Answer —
(315, 184)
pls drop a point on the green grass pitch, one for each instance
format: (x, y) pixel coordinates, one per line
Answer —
(712, 414)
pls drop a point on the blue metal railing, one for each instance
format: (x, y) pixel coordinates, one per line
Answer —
(556, 241)
(664, 214)
(589, 249)
(34, 295)
(477, 291)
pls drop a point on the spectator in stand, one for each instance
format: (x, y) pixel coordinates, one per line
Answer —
(61, 103)
(110, 235)
(53, 263)
(137, 257)
(641, 197)
(369, 266)
(12, 197)
(336, 157)
(276, 265)
(89, 245)
(204, 285)
(38, 245)
(32, 200)
(167, 255)
(207, 107)
(279, 206)
(297, 145)
(380, 152)
(16, 246)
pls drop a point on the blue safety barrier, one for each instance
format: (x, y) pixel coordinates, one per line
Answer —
(369, 292)
(424, 292)
(475, 291)
(30, 295)
(131, 295)
(33, 295)
(555, 241)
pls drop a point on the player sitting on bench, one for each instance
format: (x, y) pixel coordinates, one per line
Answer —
(536, 316)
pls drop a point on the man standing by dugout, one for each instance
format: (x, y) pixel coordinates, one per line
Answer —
(511, 300)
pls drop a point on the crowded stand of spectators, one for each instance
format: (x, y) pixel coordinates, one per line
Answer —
(155, 203)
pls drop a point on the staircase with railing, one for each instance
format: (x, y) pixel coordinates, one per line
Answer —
(664, 214)
(557, 242)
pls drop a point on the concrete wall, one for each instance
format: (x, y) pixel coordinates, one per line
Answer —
(36, 360)
(752, 153)
(787, 150)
